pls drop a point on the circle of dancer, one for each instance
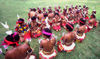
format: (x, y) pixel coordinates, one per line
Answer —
(41, 22)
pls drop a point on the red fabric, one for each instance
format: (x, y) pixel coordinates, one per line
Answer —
(74, 22)
(86, 31)
(64, 24)
(36, 35)
(87, 18)
(9, 42)
(56, 27)
(82, 39)
(58, 43)
(16, 29)
(27, 35)
(95, 24)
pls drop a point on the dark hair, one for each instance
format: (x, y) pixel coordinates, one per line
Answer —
(69, 26)
(70, 9)
(21, 19)
(44, 8)
(79, 5)
(12, 38)
(56, 14)
(93, 16)
(33, 18)
(48, 31)
(33, 9)
(84, 6)
(57, 10)
(39, 11)
(76, 7)
(77, 12)
(82, 21)
(87, 8)
(45, 14)
(50, 10)
(16, 37)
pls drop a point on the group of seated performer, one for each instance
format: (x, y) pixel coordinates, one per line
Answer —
(75, 20)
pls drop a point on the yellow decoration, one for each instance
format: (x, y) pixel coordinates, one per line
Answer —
(24, 31)
(38, 31)
(43, 20)
(60, 47)
(21, 29)
(24, 27)
(19, 25)
(77, 41)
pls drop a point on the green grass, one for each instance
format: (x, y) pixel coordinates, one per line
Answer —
(89, 49)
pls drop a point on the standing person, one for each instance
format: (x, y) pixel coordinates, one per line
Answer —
(66, 42)
(47, 50)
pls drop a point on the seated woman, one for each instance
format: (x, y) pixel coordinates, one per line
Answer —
(50, 16)
(44, 10)
(63, 20)
(35, 30)
(66, 43)
(56, 22)
(82, 22)
(80, 34)
(39, 15)
(92, 22)
(47, 50)
(11, 40)
(31, 13)
(21, 28)
(71, 17)
(93, 17)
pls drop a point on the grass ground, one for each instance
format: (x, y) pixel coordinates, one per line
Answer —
(89, 49)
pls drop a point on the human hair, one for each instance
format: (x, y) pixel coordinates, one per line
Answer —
(12, 37)
(47, 30)
(45, 14)
(56, 14)
(82, 21)
(93, 16)
(33, 18)
(70, 26)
